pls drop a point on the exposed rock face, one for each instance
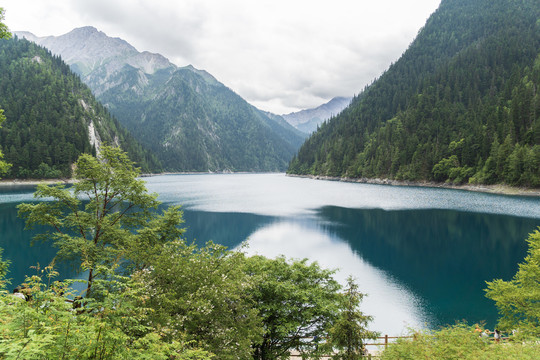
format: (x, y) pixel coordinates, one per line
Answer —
(96, 57)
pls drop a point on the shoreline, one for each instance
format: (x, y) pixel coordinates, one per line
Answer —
(498, 189)
(33, 182)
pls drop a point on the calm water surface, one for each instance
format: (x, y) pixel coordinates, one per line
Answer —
(422, 255)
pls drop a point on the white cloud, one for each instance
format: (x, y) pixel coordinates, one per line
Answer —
(280, 55)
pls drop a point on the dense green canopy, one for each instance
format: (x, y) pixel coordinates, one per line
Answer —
(50, 114)
(4, 34)
(460, 105)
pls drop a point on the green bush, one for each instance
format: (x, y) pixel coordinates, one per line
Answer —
(459, 342)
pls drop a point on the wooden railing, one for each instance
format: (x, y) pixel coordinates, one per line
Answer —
(387, 340)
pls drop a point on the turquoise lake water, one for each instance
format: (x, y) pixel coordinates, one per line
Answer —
(421, 254)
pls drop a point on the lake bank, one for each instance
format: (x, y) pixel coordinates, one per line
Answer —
(498, 189)
(32, 182)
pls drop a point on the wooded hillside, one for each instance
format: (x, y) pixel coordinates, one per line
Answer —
(52, 117)
(460, 105)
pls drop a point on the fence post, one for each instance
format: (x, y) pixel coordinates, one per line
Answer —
(385, 341)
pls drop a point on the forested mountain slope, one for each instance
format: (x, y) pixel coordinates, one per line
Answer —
(460, 105)
(194, 123)
(190, 120)
(52, 117)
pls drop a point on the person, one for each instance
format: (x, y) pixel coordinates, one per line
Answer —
(27, 292)
(18, 294)
(477, 329)
(365, 351)
(497, 335)
(316, 341)
(78, 304)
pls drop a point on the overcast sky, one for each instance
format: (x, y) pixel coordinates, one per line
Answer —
(280, 55)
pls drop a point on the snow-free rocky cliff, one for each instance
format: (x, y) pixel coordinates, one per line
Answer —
(96, 57)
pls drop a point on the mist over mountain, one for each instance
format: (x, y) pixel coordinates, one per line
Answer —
(190, 120)
(308, 120)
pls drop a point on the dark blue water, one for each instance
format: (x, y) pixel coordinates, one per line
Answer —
(27, 258)
(422, 255)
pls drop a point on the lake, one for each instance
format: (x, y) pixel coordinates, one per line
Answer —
(421, 254)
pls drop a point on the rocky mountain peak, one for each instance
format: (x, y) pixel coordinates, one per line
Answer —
(87, 49)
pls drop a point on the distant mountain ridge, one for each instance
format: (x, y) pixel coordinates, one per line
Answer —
(190, 120)
(308, 120)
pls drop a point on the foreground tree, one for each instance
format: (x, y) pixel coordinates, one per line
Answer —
(183, 301)
(101, 218)
(350, 332)
(48, 327)
(4, 31)
(518, 300)
(204, 293)
(4, 265)
(107, 221)
(4, 34)
(297, 302)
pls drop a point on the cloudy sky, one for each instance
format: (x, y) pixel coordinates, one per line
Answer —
(280, 55)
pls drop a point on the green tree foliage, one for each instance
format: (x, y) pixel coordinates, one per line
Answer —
(149, 294)
(4, 166)
(349, 333)
(297, 302)
(4, 31)
(204, 293)
(4, 34)
(461, 105)
(50, 327)
(50, 112)
(518, 300)
(96, 220)
(4, 266)
(458, 342)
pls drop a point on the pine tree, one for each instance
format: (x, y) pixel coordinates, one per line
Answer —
(349, 333)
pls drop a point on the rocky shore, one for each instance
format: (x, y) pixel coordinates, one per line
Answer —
(492, 189)
(32, 182)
